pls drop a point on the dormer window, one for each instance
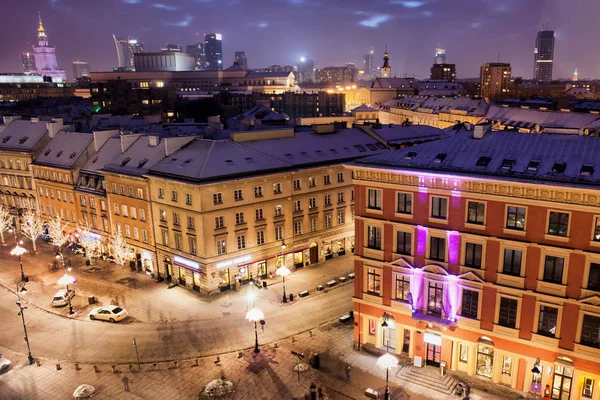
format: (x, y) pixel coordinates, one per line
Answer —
(319, 152)
(59, 153)
(250, 160)
(360, 148)
(483, 161)
(230, 163)
(72, 155)
(372, 147)
(47, 152)
(142, 162)
(333, 151)
(304, 154)
(507, 164)
(125, 161)
(533, 166)
(586, 170)
(23, 139)
(289, 156)
(559, 167)
(347, 149)
(6, 139)
(439, 158)
(410, 155)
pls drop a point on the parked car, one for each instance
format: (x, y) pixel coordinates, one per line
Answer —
(61, 298)
(108, 313)
(4, 363)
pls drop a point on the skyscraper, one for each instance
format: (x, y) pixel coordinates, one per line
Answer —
(28, 63)
(126, 48)
(45, 57)
(306, 70)
(440, 56)
(170, 47)
(81, 69)
(443, 72)
(197, 50)
(368, 63)
(213, 49)
(543, 56)
(240, 58)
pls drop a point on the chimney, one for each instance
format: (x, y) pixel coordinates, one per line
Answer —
(480, 130)
(153, 140)
(53, 127)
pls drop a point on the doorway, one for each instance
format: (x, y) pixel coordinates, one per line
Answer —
(262, 270)
(561, 382)
(433, 354)
(314, 253)
(168, 269)
(406, 342)
(388, 335)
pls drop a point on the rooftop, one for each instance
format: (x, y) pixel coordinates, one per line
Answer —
(393, 83)
(528, 118)
(106, 155)
(22, 134)
(64, 149)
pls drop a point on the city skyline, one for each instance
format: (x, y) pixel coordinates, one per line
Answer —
(508, 29)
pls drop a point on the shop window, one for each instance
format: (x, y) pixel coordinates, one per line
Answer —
(375, 200)
(404, 203)
(470, 303)
(512, 262)
(508, 312)
(506, 365)
(437, 249)
(485, 360)
(373, 281)
(547, 321)
(515, 218)
(473, 254)
(439, 207)
(553, 269)
(561, 382)
(476, 213)
(374, 237)
(587, 388)
(558, 224)
(402, 287)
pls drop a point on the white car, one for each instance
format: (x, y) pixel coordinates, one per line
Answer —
(4, 363)
(61, 298)
(108, 313)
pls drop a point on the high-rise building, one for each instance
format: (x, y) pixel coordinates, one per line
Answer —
(45, 57)
(440, 56)
(335, 74)
(543, 56)
(443, 72)
(240, 58)
(170, 47)
(306, 70)
(81, 69)
(495, 80)
(28, 63)
(213, 49)
(197, 50)
(369, 67)
(386, 69)
(126, 48)
(351, 65)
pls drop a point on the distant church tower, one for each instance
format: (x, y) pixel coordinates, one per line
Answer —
(386, 70)
(575, 75)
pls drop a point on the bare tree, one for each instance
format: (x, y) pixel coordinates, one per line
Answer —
(5, 222)
(89, 243)
(119, 249)
(31, 226)
(58, 231)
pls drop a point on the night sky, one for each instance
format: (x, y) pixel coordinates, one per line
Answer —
(332, 32)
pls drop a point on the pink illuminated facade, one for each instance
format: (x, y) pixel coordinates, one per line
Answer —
(45, 57)
(492, 269)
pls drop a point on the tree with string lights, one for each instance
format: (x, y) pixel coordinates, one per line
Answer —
(5, 222)
(87, 240)
(31, 226)
(119, 249)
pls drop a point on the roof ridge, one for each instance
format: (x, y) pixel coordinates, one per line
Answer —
(212, 145)
(260, 153)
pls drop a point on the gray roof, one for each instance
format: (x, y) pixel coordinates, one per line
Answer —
(255, 74)
(106, 155)
(393, 83)
(461, 153)
(64, 149)
(22, 135)
(401, 134)
(476, 107)
(363, 107)
(528, 118)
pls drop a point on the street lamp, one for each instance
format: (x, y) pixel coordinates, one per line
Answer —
(536, 373)
(21, 290)
(67, 280)
(255, 315)
(283, 271)
(60, 256)
(19, 251)
(386, 362)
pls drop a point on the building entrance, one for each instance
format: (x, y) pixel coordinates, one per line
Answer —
(433, 354)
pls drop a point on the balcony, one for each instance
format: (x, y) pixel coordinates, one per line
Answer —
(432, 315)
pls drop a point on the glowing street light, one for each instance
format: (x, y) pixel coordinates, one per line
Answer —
(19, 251)
(283, 271)
(21, 290)
(67, 280)
(255, 315)
(386, 362)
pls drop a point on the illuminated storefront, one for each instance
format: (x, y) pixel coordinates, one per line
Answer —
(189, 273)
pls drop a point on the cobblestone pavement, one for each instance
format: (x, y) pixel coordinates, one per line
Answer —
(268, 375)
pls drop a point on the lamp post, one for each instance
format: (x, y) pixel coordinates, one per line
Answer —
(536, 373)
(283, 271)
(386, 362)
(67, 280)
(21, 289)
(60, 256)
(255, 315)
(19, 251)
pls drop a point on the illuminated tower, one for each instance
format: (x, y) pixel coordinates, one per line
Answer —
(440, 56)
(543, 56)
(386, 70)
(213, 50)
(45, 56)
(575, 75)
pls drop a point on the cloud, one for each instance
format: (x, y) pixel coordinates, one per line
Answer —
(165, 7)
(427, 13)
(261, 24)
(182, 24)
(131, 1)
(375, 20)
(409, 3)
(476, 25)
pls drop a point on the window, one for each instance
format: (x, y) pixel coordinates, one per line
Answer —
(512, 262)
(279, 232)
(278, 211)
(404, 203)
(439, 158)
(476, 213)
(313, 224)
(238, 195)
(437, 249)
(122, 190)
(140, 193)
(404, 243)
(142, 214)
(239, 218)
(297, 184)
(341, 217)
(190, 222)
(340, 177)
(594, 278)
(508, 312)
(515, 218)
(188, 199)
(83, 203)
(374, 199)
(92, 202)
(588, 388)
(463, 352)
(533, 165)
(144, 235)
(373, 281)
(483, 161)
(439, 207)
(340, 197)
(374, 237)
(507, 164)
(130, 191)
(312, 203)
(117, 211)
(258, 191)
(260, 237)
(470, 303)
(221, 247)
(327, 220)
(558, 223)
(133, 212)
(402, 287)
(506, 365)
(312, 182)
(276, 188)
(241, 242)
(327, 200)
(176, 218)
(352, 195)
(553, 269)
(102, 205)
(596, 237)
(297, 227)
(219, 222)
(173, 195)
(165, 237)
(177, 236)
(559, 167)
(473, 253)
(217, 198)
(163, 215)
(192, 244)
(127, 231)
(161, 193)
(547, 321)
(590, 331)
(326, 179)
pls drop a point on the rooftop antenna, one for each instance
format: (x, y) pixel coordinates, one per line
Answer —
(498, 57)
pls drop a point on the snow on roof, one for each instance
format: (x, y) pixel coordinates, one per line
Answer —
(363, 107)
(400, 134)
(575, 90)
(509, 155)
(64, 149)
(22, 134)
(260, 112)
(470, 106)
(435, 103)
(393, 83)
(256, 74)
(528, 118)
(106, 155)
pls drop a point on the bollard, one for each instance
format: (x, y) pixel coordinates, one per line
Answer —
(130, 368)
(240, 354)
(310, 333)
(154, 365)
(195, 363)
(275, 346)
(113, 368)
(58, 368)
(77, 367)
(293, 339)
(96, 368)
(218, 360)
(175, 364)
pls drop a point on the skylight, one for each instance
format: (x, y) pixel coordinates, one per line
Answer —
(587, 170)
(230, 163)
(250, 160)
(304, 154)
(47, 152)
(6, 139)
(289, 156)
(319, 152)
(94, 160)
(381, 146)
(125, 161)
(371, 146)
(189, 160)
(347, 149)
(533, 166)
(142, 162)
(410, 155)
(23, 139)
(507, 164)
(483, 161)
(359, 148)
(559, 167)
(59, 153)
(439, 158)
(72, 155)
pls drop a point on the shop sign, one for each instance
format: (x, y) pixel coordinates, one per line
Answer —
(95, 236)
(234, 261)
(186, 263)
(432, 338)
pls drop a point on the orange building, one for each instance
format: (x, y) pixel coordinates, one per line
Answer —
(482, 251)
